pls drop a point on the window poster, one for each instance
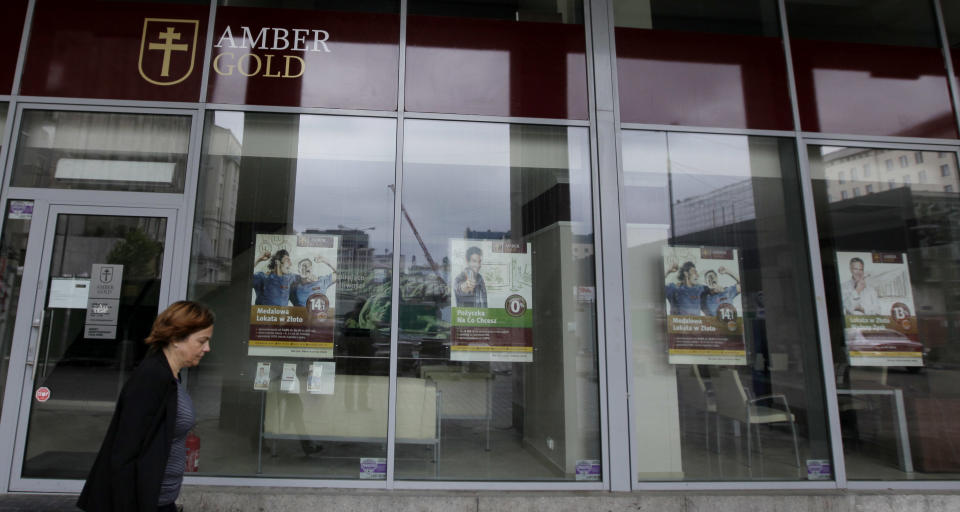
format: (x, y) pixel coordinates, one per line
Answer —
(879, 317)
(293, 296)
(704, 305)
(491, 301)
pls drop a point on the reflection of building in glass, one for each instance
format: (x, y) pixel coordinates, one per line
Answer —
(855, 172)
(354, 258)
(721, 207)
(214, 233)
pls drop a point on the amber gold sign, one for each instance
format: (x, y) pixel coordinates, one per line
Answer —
(168, 50)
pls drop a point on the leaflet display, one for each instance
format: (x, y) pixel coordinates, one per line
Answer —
(491, 301)
(704, 306)
(293, 296)
(879, 317)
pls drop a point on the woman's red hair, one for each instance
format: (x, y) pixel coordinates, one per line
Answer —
(179, 320)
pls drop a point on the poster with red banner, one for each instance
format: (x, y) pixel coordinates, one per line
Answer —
(704, 306)
(293, 296)
(492, 301)
(879, 317)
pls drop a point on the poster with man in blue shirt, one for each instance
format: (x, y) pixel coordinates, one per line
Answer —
(293, 303)
(704, 319)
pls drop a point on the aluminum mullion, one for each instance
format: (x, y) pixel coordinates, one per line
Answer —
(13, 387)
(179, 281)
(815, 265)
(948, 59)
(395, 277)
(78, 103)
(208, 49)
(596, 79)
(6, 142)
(230, 481)
(497, 119)
(495, 485)
(6, 161)
(300, 110)
(24, 43)
(710, 130)
(160, 109)
(823, 316)
(85, 197)
(610, 319)
(853, 138)
(879, 145)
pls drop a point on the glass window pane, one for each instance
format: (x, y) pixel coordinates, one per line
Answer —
(702, 63)
(293, 250)
(117, 49)
(523, 59)
(11, 20)
(102, 151)
(890, 269)
(13, 250)
(65, 431)
(4, 107)
(331, 54)
(872, 68)
(718, 322)
(498, 344)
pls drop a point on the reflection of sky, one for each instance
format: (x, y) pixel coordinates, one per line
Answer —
(232, 121)
(458, 176)
(346, 163)
(699, 163)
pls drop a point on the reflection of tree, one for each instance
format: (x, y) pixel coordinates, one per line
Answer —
(138, 253)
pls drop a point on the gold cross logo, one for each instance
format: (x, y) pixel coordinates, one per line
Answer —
(167, 50)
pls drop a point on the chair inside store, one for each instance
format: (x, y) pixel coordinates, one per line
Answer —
(734, 403)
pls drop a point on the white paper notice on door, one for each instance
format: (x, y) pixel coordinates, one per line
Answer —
(68, 293)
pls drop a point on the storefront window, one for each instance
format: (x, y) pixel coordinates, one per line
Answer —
(726, 365)
(702, 63)
(523, 59)
(102, 151)
(293, 250)
(890, 270)
(872, 68)
(497, 343)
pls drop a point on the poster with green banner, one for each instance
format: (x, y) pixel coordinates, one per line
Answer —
(491, 298)
(293, 296)
(879, 317)
(704, 305)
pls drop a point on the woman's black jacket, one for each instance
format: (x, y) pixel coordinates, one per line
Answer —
(127, 472)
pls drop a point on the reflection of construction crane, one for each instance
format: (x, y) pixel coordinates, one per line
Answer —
(426, 252)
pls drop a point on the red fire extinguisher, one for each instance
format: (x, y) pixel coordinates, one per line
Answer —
(193, 453)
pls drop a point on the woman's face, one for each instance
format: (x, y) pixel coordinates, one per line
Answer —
(191, 350)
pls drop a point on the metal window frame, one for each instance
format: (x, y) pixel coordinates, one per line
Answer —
(802, 140)
(605, 130)
(46, 227)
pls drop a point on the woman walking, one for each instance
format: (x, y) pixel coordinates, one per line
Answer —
(143, 456)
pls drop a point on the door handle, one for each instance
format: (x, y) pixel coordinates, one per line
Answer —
(36, 324)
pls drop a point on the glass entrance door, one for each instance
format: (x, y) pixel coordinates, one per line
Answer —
(103, 275)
